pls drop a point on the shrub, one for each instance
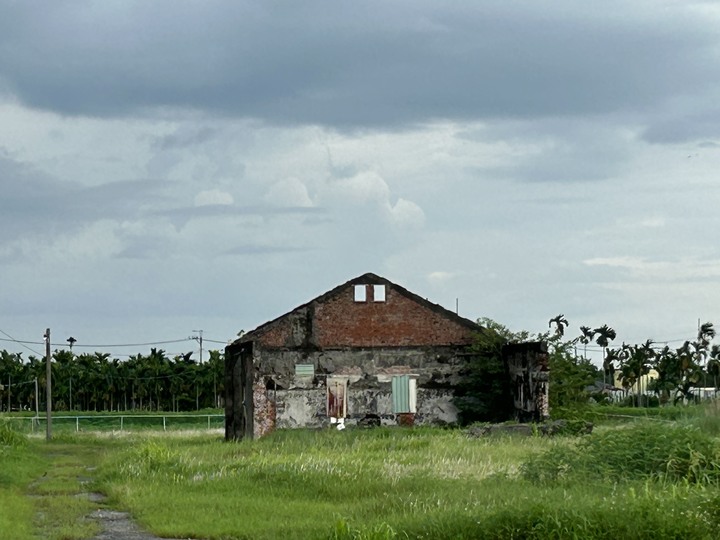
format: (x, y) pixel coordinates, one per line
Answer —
(669, 452)
(150, 459)
(10, 437)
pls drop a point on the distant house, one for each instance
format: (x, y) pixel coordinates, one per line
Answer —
(367, 351)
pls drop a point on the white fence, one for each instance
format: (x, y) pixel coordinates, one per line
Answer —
(122, 421)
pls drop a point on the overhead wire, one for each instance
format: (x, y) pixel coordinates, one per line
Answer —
(22, 343)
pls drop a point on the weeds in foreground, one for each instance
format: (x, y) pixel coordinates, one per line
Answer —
(645, 450)
(393, 483)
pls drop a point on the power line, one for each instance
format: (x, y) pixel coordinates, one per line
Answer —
(133, 344)
(23, 343)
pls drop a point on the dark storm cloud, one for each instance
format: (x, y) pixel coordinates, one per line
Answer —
(686, 128)
(183, 140)
(351, 64)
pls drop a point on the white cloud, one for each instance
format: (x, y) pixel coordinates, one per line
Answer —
(213, 197)
(678, 270)
(289, 192)
(441, 276)
(363, 187)
(406, 214)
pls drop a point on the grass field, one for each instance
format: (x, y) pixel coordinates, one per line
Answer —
(638, 479)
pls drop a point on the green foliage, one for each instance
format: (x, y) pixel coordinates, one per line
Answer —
(393, 483)
(484, 394)
(644, 450)
(97, 382)
(569, 379)
(149, 459)
(10, 436)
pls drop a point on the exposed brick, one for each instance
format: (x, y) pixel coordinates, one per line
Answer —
(340, 321)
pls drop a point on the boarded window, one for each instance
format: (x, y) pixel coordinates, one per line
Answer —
(360, 293)
(304, 370)
(379, 293)
(404, 394)
(337, 397)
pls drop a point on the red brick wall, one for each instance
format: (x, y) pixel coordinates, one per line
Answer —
(398, 321)
(281, 334)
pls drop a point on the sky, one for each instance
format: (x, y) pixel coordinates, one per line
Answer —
(174, 166)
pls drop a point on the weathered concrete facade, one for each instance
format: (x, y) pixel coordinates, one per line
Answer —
(366, 351)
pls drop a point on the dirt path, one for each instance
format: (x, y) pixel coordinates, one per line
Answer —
(67, 507)
(116, 525)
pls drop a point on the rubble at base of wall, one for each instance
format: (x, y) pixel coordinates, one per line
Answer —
(556, 427)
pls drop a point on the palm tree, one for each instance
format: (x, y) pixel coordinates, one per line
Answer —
(690, 370)
(713, 366)
(706, 333)
(605, 335)
(636, 362)
(560, 324)
(586, 336)
(611, 356)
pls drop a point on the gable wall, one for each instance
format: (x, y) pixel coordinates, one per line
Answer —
(340, 321)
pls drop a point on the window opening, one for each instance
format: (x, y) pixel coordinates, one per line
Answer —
(337, 397)
(404, 394)
(360, 293)
(304, 370)
(379, 293)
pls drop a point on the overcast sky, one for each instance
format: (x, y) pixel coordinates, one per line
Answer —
(173, 166)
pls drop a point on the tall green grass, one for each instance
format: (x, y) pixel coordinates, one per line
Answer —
(419, 483)
(18, 467)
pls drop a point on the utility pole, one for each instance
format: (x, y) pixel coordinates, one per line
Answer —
(71, 340)
(199, 340)
(37, 398)
(37, 407)
(48, 385)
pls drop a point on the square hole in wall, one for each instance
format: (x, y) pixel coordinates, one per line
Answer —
(379, 293)
(360, 293)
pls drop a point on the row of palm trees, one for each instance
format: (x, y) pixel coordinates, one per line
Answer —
(97, 382)
(679, 370)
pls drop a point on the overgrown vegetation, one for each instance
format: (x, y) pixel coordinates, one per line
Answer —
(644, 479)
(647, 450)
(484, 393)
(647, 477)
(18, 468)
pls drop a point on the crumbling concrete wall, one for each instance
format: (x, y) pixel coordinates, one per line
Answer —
(301, 401)
(307, 407)
(436, 367)
(528, 368)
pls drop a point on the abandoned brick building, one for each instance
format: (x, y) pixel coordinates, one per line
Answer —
(366, 351)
